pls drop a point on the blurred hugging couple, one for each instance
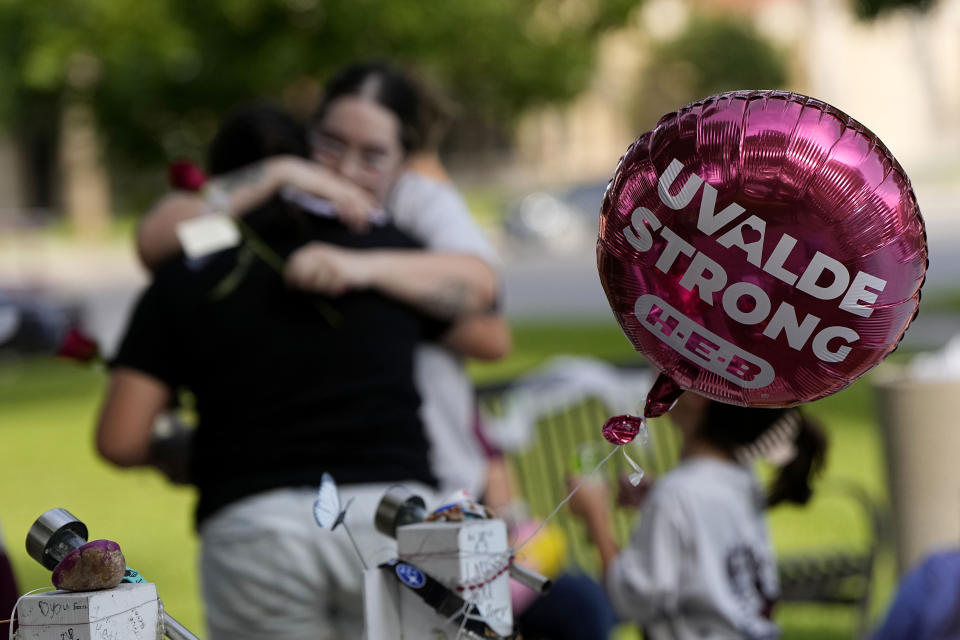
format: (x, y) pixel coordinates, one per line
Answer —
(314, 364)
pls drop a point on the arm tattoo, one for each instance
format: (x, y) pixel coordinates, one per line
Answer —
(243, 177)
(449, 300)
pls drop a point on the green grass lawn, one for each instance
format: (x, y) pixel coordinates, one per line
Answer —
(47, 409)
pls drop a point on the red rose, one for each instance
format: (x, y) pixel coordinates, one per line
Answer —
(79, 346)
(186, 176)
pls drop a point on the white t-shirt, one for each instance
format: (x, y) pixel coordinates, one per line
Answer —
(435, 214)
(700, 564)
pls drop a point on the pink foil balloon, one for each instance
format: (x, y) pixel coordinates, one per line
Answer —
(760, 248)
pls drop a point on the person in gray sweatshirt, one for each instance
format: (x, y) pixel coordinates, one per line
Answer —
(700, 563)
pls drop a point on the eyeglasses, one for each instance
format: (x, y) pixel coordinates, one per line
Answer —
(371, 159)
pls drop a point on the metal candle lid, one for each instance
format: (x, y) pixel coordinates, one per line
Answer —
(398, 506)
(55, 533)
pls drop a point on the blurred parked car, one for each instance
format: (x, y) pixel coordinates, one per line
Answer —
(561, 221)
(31, 324)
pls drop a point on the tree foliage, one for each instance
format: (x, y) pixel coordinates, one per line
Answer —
(711, 55)
(869, 9)
(160, 74)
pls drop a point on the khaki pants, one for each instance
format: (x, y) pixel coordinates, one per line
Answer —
(269, 571)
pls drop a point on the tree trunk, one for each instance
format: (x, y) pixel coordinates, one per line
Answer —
(12, 201)
(85, 185)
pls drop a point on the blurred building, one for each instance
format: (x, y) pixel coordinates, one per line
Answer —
(898, 74)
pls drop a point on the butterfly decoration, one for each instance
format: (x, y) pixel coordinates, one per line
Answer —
(329, 513)
(327, 510)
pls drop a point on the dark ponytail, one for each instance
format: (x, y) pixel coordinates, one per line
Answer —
(253, 132)
(798, 444)
(793, 481)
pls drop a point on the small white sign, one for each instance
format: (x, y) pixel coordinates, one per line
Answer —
(472, 555)
(126, 612)
(207, 234)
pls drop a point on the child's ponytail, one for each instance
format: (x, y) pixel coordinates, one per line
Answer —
(793, 480)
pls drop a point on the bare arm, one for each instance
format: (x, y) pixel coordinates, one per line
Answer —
(125, 428)
(242, 191)
(484, 336)
(444, 285)
(601, 533)
(591, 504)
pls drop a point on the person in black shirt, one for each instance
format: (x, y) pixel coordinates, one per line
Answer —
(288, 385)
(285, 389)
